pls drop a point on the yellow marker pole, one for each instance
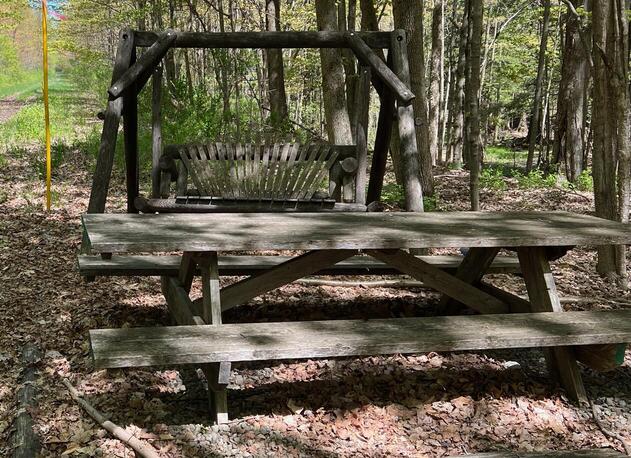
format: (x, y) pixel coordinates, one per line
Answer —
(46, 111)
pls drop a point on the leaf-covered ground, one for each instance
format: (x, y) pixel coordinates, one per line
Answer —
(420, 405)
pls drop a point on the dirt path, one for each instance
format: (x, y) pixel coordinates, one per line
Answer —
(9, 107)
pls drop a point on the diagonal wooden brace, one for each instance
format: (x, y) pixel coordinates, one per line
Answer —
(283, 274)
(471, 270)
(440, 280)
(368, 57)
(144, 65)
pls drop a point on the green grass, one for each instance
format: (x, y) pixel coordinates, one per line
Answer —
(26, 85)
(67, 112)
(503, 155)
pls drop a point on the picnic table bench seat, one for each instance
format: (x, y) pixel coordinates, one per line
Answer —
(152, 265)
(155, 346)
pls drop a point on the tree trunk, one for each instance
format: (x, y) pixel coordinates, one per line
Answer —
(408, 15)
(611, 126)
(535, 117)
(275, 67)
(570, 137)
(435, 95)
(457, 128)
(472, 92)
(333, 84)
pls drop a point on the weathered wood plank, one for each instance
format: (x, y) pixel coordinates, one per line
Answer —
(280, 275)
(315, 339)
(259, 40)
(543, 297)
(311, 231)
(145, 63)
(440, 281)
(192, 204)
(151, 265)
(368, 57)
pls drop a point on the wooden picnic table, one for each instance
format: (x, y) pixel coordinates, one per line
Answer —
(332, 238)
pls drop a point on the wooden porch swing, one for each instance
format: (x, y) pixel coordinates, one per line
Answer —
(232, 177)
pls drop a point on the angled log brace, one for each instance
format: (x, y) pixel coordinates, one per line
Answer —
(368, 57)
(145, 64)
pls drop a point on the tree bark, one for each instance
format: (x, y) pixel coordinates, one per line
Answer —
(472, 95)
(457, 112)
(275, 68)
(408, 15)
(611, 126)
(333, 83)
(435, 95)
(535, 116)
(570, 139)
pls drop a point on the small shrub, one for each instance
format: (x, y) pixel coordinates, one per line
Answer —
(585, 181)
(535, 179)
(392, 193)
(430, 204)
(493, 178)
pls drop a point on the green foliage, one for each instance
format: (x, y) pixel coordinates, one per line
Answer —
(493, 179)
(503, 155)
(535, 179)
(393, 193)
(430, 203)
(584, 182)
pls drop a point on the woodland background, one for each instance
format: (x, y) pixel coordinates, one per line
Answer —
(543, 76)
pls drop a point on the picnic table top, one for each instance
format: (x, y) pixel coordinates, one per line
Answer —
(119, 233)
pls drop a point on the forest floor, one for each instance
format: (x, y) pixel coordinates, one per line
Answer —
(418, 405)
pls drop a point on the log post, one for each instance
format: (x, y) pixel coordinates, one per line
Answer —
(410, 158)
(382, 143)
(105, 159)
(130, 131)
(156, 131)
(360, 126)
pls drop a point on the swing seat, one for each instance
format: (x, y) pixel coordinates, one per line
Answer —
(236, 177)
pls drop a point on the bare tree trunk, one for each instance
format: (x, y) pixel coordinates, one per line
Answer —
(435, 95)
(611, 126)
(408, 15)
(275, 67)
(535, 117)
(570, 137)
(457, 129)
(333, 84)
(472, 91)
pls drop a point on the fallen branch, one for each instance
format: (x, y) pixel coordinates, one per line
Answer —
(25, 442)
(142, 449)
(606, 432)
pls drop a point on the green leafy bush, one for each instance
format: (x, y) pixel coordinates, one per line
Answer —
(493, 178)
(535, 179)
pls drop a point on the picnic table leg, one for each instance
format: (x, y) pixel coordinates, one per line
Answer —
(542, 293)
(217, 374)
(471, 270)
